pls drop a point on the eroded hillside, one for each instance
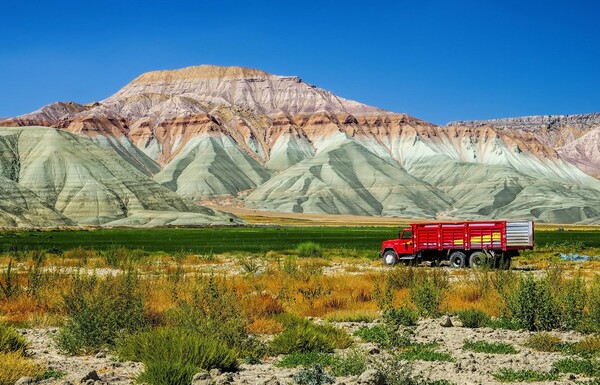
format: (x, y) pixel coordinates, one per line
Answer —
(279, 143)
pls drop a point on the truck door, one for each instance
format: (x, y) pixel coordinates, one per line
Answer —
(406, 244)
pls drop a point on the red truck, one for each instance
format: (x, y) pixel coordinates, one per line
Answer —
(462, 244)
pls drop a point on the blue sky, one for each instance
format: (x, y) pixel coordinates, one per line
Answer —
(436, 60)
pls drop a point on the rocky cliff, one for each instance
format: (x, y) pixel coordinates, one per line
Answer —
(554, 130)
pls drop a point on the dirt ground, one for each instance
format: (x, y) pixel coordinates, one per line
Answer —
(467, 368)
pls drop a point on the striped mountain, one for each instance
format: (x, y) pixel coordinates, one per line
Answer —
(279, 143)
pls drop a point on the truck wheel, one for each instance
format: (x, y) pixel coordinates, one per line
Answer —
(458, 259)
(478, 259)
(389, 258)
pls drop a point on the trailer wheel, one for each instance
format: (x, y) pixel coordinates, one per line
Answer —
(478, 259)
(458, 259)
(389, 258)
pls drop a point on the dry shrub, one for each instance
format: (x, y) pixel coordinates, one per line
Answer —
(401, 297)
(273, 254)
(462, 297)
(353, 315)
(263, 305)
(265, 326)
(19, 309)
(14, 366)
(362, 295)
(79, 254)
(588, 346)
(358, 287)
(400, 277)
(66, 262)
(157, 295)
(334, 302)
(242, 284)
(543, 342)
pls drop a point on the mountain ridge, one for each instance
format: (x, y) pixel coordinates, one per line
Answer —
(277, 142)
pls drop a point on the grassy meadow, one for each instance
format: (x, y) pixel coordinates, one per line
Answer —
(245, 239)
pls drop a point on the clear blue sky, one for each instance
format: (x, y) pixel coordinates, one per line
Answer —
(436, 60)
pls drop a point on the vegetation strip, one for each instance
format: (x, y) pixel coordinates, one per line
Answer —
(248, 239)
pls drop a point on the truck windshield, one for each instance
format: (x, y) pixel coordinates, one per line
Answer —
(407, 234)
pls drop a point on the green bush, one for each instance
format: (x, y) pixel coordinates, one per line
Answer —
(314, 375)
(572, 300)
(309, 249)
(427, 297)
(100, 311)
(173, 355)
(11, 341)
(473, 318)
(401, 277)
(396, 371)
(402, 316)
(543, 342)
(524, 375)
(593, 381)
(384, 336)
(532, 305)
(592, 322)
(10, 288)
(376, 334)
(303, 336)
(167, 373)
(348, 363)
(424, 352)
(122, 256)
(215, 311)
(503, 323)
(489, 347)
(590, 368)
(51, 374)
(305, 359)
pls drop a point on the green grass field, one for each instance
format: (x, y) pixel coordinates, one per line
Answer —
(243, 239)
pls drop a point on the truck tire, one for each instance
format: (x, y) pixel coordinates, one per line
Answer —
(390, 258)
(458, 259)
(478, 260)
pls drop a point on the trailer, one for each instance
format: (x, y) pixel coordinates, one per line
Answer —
(462, 244)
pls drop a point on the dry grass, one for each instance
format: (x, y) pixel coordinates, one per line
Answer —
(589, 344)
(329, 288)
(263, 305)
(265, 326)
(14, 366)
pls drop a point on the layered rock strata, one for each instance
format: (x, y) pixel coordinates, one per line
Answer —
(280, 143)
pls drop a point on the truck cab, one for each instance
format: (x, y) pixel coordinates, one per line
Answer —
(394, 250)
